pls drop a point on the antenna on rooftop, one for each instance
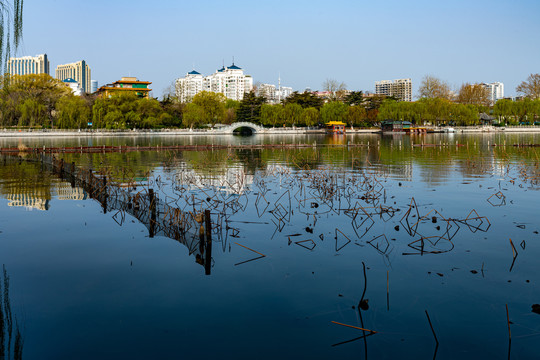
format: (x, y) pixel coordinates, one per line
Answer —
(233, 60)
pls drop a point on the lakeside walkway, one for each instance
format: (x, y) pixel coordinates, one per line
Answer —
(9, 133)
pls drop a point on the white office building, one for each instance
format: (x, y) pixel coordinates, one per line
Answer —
(229, 81)
(26, 65)
(79, 71)
(495, 90)
(400, 88)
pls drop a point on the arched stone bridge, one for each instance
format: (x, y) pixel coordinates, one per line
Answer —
(229, 129)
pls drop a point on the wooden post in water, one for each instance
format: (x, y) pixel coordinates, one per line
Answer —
(73, 174)
(151, 198)
(61, 170)
(105, 194)
(208, 227)
(91, 183)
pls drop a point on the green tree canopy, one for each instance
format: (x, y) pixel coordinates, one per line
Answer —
(231, 106)
(291, 114)
(310, 116)
(356, 115)
(305, 100)
(271, 114)
(31, 90)
(193, 115)
(73, 112)
(128, 111)
(374, 102)
(250, 108)
(212, 105)
(334, 111)
(354, 98)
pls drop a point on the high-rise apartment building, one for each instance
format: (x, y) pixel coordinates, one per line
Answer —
(79, 71)
(399, 88)
(269, 92)
(189, 86)
(284, 92)
(495, 90)
(38, 64)
(229, 81)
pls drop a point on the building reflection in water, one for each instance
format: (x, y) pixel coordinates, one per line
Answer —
(30, 196)
(24, 185)
(28, 200)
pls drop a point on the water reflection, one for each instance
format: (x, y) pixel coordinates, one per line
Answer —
(25, 184)
(11, 338)
(291, 231)
(172, 203)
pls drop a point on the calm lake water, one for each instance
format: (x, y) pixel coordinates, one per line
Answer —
(402, 227)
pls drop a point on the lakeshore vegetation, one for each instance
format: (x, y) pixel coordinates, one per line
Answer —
(40, 101)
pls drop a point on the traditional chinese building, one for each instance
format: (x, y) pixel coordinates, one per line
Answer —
(126, 85)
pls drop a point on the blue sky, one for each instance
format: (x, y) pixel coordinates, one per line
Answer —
(357, 42)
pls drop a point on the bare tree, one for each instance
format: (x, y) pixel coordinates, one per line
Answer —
(531, 87)
(475, 94)
(169, 93)
(256, 87)
(336, 90)
(432, 87)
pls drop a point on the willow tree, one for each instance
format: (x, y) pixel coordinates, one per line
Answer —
(11, 23)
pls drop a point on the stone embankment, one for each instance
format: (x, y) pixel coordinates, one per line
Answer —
(164, 132)
(267, 131)
(513, 129)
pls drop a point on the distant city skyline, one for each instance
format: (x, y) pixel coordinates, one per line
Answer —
(310, 41)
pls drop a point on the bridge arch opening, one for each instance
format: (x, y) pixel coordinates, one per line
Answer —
(244, 131)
